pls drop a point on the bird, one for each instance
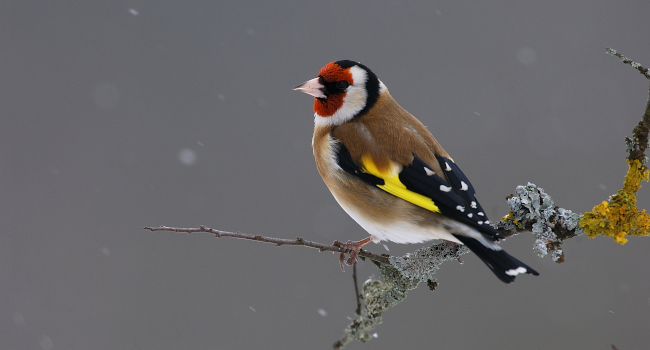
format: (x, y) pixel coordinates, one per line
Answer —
(388, 172)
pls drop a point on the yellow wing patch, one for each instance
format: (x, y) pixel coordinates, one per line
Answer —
(394, 186)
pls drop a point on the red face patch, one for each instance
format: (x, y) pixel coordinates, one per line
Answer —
(332, 73)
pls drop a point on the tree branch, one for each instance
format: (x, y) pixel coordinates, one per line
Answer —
(643, 70)
(619, 216)
(637, 144)
(531, 209)
(382, 259)
(400, 274)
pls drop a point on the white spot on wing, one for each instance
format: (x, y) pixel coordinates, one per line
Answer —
(444, 188)
(480, 213)
(463, 186)
(428, 171)
(515, 272)
(473, 205)
(480, 222)
(460, 208)
(447, 168)
(470, 215)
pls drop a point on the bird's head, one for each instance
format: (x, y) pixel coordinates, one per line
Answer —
(343, 90)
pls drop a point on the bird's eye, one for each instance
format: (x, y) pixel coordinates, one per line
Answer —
(342, 85)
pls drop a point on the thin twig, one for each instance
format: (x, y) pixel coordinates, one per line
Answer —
(277, 241)
(639, 142)
(643, 70)
(356, 289)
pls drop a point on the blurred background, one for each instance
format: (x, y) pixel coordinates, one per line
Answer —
(117, 115)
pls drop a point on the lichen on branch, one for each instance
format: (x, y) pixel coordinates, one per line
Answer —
(404, 273)
(532, 209)
(619, 216)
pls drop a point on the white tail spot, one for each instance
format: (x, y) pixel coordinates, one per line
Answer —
(515, 272)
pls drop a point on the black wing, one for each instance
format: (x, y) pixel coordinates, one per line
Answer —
(455, 199)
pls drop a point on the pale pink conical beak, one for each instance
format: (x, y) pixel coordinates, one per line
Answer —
(312, 87)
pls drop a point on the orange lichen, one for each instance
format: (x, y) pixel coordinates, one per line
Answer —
(510, 217)
(620, 217)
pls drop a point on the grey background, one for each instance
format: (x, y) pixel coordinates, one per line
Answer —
(121, 114)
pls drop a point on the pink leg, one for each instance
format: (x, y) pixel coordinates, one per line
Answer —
(354, 248)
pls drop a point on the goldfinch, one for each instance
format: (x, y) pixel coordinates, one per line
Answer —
(390, 174)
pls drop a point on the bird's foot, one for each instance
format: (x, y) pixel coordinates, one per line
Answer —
(353, 247)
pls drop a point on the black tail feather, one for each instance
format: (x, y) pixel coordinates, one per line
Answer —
(504, 265)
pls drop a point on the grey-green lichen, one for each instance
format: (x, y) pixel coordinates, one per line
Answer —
(378, 297)
(423, 263)
(405, 273)
(531, 209)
